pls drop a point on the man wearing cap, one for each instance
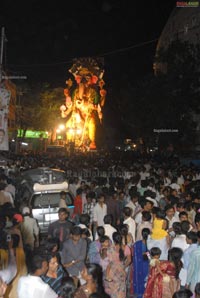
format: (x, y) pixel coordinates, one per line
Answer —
(29, 230)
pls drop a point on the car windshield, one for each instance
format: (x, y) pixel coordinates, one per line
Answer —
(45, 200)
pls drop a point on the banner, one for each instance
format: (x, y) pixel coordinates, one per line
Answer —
(4, 108)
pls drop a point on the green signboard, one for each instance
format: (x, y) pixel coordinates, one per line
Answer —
(33, 134)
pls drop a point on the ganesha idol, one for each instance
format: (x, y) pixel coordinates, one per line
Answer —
(83, 106)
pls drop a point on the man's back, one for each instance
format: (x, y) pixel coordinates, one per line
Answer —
(33, 286)
(29, 229)
(56, 227)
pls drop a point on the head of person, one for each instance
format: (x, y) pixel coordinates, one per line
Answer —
(17, 219)
(127, 212)
(148, 205)
(2, 185)
(144, 183)
(63, 195)
(191, 237)
(165, 192)
(100, 231)
(79, 191)
(174, 255)
(105, 241)
(68, 287)
(197, 220)
(145, 233)
(197, 290)
(2, 135)
(85, 233)
(180, 207)
(124, 228)
(26, 211)
(160, 214)
(183, 293)
(117, 239)
(183, 215)
(121, 195)
(101, 198)
(52, 245)
(38, 265)
(108, 219)
(169, 210)
(90, 196)
(93, 272)
(76, 232)
(63, 214)
(155, 252)
(177, 228)
(185, 226)
(135, 197)
(146, 216)
(154, 211)
(84, 219)
(53, 262)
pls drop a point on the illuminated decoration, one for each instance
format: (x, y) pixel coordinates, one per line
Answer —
(84, 101)
(4, 107)
(32, 134)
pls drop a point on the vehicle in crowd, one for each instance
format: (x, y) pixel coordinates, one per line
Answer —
(39, 189)
(56, 150)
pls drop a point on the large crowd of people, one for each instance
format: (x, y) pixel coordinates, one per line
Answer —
(134, 231)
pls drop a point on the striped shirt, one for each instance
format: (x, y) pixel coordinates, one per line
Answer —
(55, 283)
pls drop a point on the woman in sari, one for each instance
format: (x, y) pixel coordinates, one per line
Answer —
(163, 280)
(119, 257)
(140, 264)
(127, 239)
(95, 246)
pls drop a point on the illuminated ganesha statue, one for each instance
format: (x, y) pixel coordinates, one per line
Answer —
(84, 102)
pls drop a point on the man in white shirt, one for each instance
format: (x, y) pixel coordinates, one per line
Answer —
(100, 210)
(128, 220)
(32, 286)
(29, 230)
(109, 229)
(146, 206)
(133, 204)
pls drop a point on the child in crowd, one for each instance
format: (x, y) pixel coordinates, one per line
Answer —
(159, 236)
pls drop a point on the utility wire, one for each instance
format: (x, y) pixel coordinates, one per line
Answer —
(98, 55)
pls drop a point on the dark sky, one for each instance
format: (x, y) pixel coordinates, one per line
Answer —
(44, 36)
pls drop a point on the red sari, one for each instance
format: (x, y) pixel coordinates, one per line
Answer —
(159, 286)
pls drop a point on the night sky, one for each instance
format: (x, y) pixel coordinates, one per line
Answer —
(44, 36)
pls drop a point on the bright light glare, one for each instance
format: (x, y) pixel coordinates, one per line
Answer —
(71, 131)
(58, 130)
(78, 131)
(78, 118)
(24, 144)
(61, 126)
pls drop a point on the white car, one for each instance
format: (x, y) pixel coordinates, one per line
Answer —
(39, 189)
